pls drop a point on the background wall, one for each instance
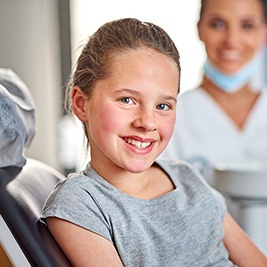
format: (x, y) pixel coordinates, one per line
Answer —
(178, 18)
(30, 45)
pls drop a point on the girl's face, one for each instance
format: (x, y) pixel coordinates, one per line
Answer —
(131, 114)
(232, 31)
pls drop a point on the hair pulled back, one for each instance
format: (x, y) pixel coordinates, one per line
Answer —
(115, 37)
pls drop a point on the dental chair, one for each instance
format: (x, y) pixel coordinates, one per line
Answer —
(24, 183)
(23, 192)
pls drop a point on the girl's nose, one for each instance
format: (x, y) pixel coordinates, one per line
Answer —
(145, 121)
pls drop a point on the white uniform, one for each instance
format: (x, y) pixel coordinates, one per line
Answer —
(204, 129)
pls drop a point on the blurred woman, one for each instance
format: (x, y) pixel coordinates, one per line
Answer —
(224, 119)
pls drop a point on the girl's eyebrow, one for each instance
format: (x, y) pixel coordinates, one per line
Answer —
(126, 90)
(134, 92)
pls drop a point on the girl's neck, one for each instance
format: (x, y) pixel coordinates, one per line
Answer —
(150, 184)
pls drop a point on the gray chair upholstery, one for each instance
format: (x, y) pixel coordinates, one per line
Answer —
(22, 196)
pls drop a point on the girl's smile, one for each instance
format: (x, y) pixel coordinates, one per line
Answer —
(135, 142)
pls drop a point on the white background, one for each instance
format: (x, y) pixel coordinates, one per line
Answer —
(178, 18)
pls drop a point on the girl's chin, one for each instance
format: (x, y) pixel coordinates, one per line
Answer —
(138, 168)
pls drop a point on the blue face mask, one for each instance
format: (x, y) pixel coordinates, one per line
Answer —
(231, 83)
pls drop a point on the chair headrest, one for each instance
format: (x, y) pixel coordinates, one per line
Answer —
(17, 119)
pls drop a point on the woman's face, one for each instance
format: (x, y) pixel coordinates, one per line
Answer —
(233, 31)
(131, 114)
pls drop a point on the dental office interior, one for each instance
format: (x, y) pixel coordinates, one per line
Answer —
(41, 38)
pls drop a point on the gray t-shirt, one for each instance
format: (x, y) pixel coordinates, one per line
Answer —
(181, 228)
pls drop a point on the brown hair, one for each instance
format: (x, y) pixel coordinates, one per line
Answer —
(115, 37)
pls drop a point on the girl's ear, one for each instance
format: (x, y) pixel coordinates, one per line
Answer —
(79, 103)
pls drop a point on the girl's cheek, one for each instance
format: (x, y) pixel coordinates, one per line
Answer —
(168, 128)
(111, 118)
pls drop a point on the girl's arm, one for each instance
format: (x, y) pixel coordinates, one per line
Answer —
(242, 250)
(82, 247)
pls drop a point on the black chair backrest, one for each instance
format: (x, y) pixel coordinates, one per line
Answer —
(22, 196)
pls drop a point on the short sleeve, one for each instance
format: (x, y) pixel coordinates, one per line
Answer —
(72, 201)
(220, 202)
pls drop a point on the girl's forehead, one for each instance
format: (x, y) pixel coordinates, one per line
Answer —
(141, 70)
(130, 54)
(123, 53)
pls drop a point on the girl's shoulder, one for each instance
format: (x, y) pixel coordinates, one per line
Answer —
(180, 171)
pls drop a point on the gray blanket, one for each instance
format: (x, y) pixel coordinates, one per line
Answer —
(17, 119)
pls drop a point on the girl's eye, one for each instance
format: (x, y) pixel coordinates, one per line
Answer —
(163, 106)
(126, 100)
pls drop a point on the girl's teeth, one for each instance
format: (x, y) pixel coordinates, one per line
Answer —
(138, 143)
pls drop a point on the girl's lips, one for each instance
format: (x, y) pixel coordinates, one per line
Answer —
(137, 143)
